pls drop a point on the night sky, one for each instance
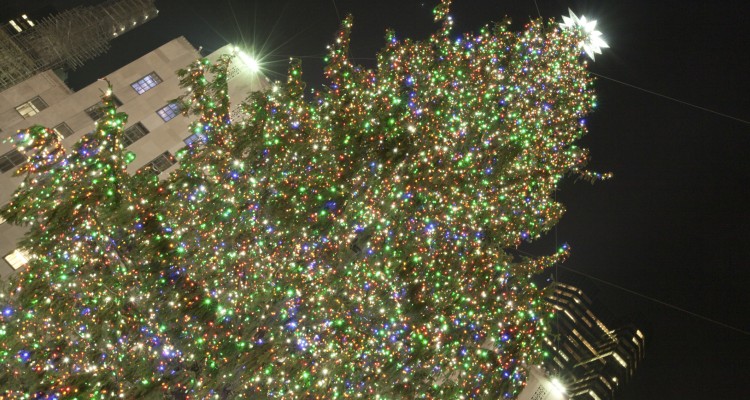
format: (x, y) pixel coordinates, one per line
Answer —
(672, 224)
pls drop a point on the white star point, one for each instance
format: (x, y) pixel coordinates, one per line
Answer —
(593, 42)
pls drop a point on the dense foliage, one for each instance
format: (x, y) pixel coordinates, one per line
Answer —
(356, 243)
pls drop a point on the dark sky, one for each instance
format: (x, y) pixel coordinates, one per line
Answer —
(671, 225)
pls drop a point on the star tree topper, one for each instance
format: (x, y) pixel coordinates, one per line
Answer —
(592, 42)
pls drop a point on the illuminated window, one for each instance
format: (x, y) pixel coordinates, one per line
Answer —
(15, 26)
(161, 163)
(594, 396)
(620, 360)
(18, 258)
(63, 130)
(97, 111)
(135, 132)
(31, 107)
(198, 138)
(147, 82)
(169, 111)
(11, 159)
(28, 21)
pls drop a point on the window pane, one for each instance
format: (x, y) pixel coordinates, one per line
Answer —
(135, 132)
(11, 159)
(18, 258)
(17, 157)
(31, 107)
(161, 163)
(169, 111)
(97, 111)
(63, 130)
(195, 138)
(38, 103)
(147, 82)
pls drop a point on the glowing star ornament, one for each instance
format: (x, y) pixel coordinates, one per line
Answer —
(593, 42)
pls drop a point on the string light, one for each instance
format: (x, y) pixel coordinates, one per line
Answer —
(351, 245)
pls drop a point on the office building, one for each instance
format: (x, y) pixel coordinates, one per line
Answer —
(588, 358)
(144, 89)
(65, 41)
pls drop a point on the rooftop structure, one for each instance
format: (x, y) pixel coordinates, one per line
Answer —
(65, 40)
(590, 359)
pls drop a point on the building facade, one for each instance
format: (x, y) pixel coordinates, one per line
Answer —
(589, 359)
(144, 89)
(540, 386)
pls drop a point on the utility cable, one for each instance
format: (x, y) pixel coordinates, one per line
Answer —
(672, 98)
(633, 292)
(537, 9)
(665, 304)
(337, 10)
(658, 94)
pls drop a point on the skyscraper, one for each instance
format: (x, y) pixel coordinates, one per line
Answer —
(65, 40)
(590, 359)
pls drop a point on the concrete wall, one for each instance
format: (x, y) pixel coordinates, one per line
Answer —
(539, 386)
(67, 106)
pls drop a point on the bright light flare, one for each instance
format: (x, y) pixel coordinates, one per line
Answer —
(249, 61)
(559, 387)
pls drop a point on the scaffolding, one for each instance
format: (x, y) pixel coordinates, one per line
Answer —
(68, 39)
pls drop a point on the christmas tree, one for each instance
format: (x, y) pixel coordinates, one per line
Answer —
(356, 244)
